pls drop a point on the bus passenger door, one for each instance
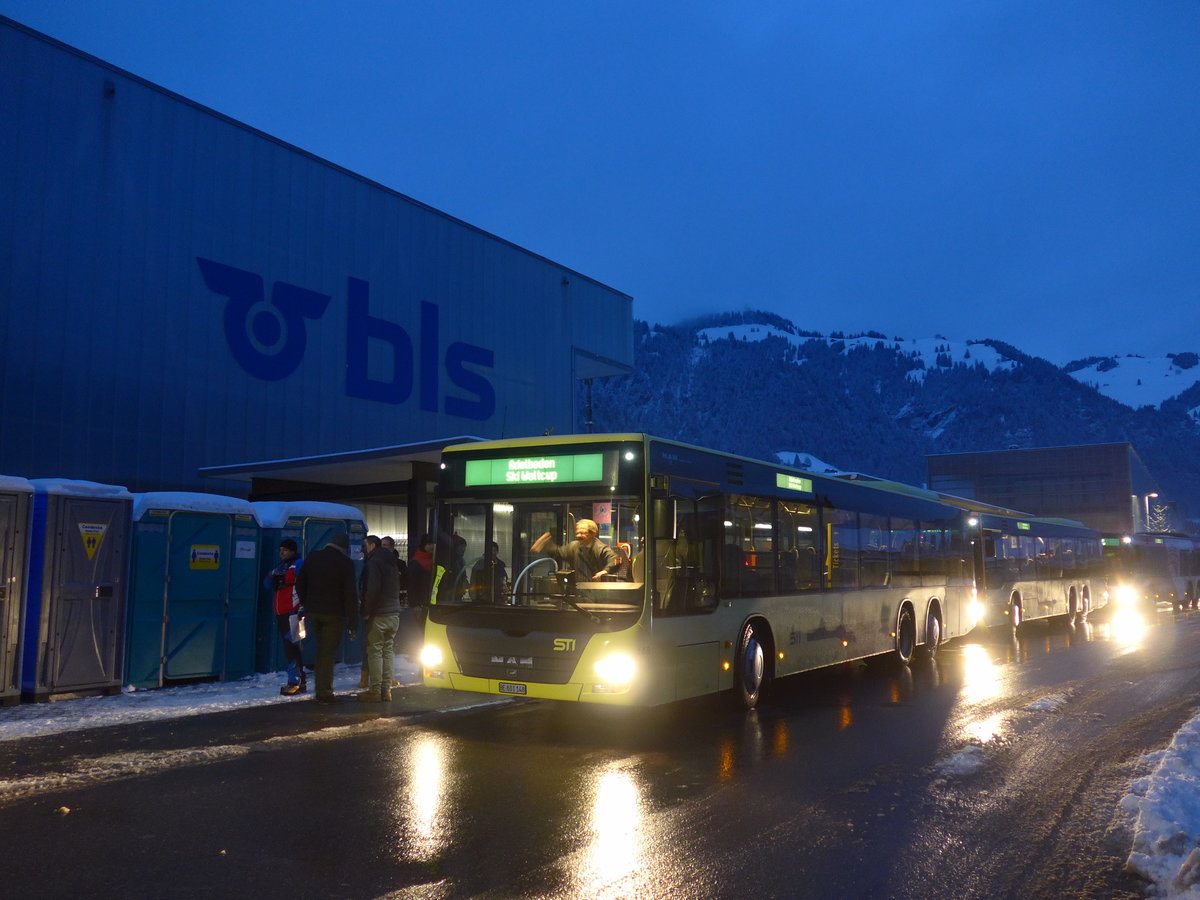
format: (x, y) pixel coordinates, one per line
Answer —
(979, 570)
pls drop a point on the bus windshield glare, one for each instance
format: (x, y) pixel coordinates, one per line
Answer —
(587, 555)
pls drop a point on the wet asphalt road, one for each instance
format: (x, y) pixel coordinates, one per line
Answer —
(995, 771)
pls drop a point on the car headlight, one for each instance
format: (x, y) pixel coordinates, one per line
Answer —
(619, 668)
(431, 656)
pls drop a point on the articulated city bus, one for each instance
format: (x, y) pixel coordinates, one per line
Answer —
(1146, 569)
(1034, 568)
(731, 571)
(739, 571)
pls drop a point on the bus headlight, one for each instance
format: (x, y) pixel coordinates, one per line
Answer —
(974, 609)
(1126, 595)
(431, 656)
(617, 669)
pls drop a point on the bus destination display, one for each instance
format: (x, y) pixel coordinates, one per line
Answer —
(581, 467)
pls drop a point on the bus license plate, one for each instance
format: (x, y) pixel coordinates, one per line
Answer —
(507, 687)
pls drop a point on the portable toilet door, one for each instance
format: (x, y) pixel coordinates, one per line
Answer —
(193, 588)
(15, 496)
(310, 523)
(74, 632)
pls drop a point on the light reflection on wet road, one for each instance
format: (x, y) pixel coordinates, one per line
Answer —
(844, 784)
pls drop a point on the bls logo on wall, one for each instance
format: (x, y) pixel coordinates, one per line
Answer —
(268, 339)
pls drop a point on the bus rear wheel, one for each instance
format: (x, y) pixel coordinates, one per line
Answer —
(1075, 615)
(933, 634)
(906, 635)
(751, 667)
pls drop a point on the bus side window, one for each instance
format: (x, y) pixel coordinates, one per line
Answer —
(841, 538)
(685, 565)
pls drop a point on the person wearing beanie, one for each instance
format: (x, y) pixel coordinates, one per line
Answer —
(325, 584)
(282, 583)
(379, 590)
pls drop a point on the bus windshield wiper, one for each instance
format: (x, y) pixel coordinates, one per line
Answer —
(587, 612)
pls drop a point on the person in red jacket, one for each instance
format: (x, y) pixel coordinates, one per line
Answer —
(282, 581)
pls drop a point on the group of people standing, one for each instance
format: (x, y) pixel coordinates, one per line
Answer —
(320, 596)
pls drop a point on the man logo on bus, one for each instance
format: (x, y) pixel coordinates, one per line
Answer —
(564, 644)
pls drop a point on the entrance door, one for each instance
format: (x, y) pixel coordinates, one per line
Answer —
(13, 512)
(197, 594)
(88, 601)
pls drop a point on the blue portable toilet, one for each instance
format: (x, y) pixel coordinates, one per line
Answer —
(193, 589)
(309, 523)
(15, 500)
(74, 631)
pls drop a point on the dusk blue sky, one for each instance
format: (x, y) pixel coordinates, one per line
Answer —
(1027, 171)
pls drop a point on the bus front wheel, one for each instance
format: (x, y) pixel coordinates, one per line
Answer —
(906, 635)
(751, 667)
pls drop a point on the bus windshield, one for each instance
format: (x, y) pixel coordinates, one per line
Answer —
(579, 553)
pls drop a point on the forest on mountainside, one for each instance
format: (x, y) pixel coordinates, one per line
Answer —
(874, 408)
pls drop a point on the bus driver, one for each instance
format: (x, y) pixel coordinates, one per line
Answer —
(590, 557)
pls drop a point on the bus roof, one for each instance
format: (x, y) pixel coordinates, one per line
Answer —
(867, 481)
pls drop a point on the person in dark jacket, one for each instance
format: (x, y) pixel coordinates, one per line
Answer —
(420, 587)
(282, 584)
(379, 589)
(489, 577)
(420, 573)
(389, 544)
(590, 557)
(388, 547)
(327, 592)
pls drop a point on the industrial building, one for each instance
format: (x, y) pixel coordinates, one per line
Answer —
(189, 304)
(1104, 486)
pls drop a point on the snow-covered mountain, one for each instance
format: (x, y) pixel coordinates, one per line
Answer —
(754, 383)
(931, 352)
(1131, 380)
(1137, 380)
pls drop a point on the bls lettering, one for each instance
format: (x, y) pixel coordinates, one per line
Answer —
(268, 339)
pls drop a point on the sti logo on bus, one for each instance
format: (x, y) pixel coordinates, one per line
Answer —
(268, 339)
(564, 644)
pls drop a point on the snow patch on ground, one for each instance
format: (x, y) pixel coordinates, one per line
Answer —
(1164, 806)
(38, 719)
(116, 766)
(160, 704)
(1050, 703)
(966, 761)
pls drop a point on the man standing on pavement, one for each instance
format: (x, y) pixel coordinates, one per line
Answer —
(327, 592)
(381, 610)
(282, 583)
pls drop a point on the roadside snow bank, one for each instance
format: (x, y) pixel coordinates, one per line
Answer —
(157, 704)
(1165, 808)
